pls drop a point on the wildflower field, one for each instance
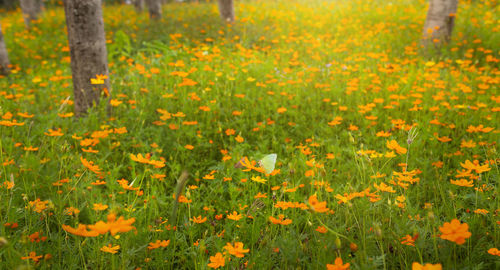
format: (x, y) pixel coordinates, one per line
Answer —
(387, 157)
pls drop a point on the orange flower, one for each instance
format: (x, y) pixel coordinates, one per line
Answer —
(209, 176)
(81, 230)
(338, 265)
(408, 240)
(25, 115)
(281, 110)
(321, 229)
(38, 205)
(468, 144)
(427, 266)
(475, 166)
(462, 183)
(393, 145)
(120, 225)
(158, 244)
(8, 184)
(280, 220)
(110, 249)
(353, 127)
(121, 130)
(100, 207)
(32, 256)
(239, 139)
(260, 195)
(384, 187)
(455, 231)
(187, 82)
(199, 219)
(383, 134)
(10, 124)
(244, 162)
(90, 165)
(317, 205)
(336, 121)
(98, 183)
(481, 211)
(444, 139)
(71, 211)
(54, 133)
(236, 250)
(494, 251)
(113, 225)
(37, 237)
(234, 216)
(147, 160)
(217, 261)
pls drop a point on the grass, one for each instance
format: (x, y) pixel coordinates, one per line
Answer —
(326, 85)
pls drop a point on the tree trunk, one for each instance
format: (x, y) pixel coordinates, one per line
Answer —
(8, 4)
(139, 5)
(87, 44)
(154, 7)
(226, 9)
(4, 57)
(31, 9)
(439, 23)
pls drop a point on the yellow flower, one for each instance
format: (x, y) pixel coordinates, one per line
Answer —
(258, 179)
(99, 79)
(115, 102)
(427, 266)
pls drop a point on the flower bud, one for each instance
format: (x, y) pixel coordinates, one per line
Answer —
(431, 215)
(338, 243)
(353, 247)
(378, 231)
(3, 242)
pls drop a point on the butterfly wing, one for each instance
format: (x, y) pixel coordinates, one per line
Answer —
(268, 162)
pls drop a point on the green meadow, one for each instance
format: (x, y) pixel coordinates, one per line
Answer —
(387, 156)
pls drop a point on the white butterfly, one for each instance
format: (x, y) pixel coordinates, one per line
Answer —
(268, 162)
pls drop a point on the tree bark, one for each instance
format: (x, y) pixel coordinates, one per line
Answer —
(139, 5)
(439, 23)
(226, 9)
(154, 7)
(8, 4)
(87, 44)
(31, 9)
(4, 57)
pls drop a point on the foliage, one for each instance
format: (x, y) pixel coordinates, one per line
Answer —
(386, 159)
